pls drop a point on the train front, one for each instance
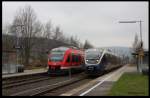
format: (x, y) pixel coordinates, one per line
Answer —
(56, 60)
(93, 61)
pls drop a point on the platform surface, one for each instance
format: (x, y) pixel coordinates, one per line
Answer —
(101, 85)
(26, 72)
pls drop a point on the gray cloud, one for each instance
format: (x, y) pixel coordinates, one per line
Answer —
(95, 21)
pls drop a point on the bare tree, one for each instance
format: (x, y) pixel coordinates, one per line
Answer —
(6, 37)
(135, 43)
(57, 33)
(62, 37)
(74, 41)
(87, 45)
(31, 27)
(81, 45)
(47, 32)
(66, 40)
(6, 28)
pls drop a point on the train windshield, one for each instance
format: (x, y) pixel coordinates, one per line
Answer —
(56, 56)
(95, 55)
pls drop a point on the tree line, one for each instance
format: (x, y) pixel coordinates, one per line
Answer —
(31, 34)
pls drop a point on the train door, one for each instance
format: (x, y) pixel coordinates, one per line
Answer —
(113, 61)
(82, 59)
(104, 62)
(73, 59)
(68, 60)
(79, 59)
(107, 61)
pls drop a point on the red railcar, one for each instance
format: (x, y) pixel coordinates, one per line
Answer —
(63, 58)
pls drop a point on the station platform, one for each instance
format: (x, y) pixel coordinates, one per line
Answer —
(101, 85)
(26, 72)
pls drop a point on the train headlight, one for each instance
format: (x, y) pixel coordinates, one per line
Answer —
(96, 60)
(87, 60)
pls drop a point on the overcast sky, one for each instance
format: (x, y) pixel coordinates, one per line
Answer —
(95, 21)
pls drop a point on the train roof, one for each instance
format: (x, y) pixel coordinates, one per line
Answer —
(64, 48)
(94, 49)
(101, 50)
(112, 53)
(60, 49)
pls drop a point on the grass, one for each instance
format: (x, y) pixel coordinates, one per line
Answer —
(131, 84)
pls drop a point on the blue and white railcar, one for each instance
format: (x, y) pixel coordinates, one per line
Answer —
(99, 60)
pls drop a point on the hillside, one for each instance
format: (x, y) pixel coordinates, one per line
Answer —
(126, 51)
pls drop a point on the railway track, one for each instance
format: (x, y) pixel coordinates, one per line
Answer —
(48, 87)
(64, 88)
(17, 81)
(58, 91)
(9, 80)
(42, 90)
(32, 84)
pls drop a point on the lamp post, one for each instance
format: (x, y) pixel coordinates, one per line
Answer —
(140, 50)
(135, 22)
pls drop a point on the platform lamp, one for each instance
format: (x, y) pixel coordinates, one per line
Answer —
(140, 50)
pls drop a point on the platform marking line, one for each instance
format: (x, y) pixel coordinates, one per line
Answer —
(82, 94)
